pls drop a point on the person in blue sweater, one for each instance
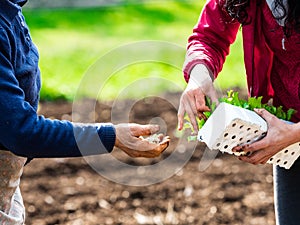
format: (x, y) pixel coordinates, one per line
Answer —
(25, 135)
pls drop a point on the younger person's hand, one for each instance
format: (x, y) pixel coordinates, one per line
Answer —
(129, 138)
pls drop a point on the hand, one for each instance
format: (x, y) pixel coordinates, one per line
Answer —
(129, 139)
(279, 136)
(192, 100)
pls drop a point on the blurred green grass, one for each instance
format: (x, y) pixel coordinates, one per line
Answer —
(72, 41)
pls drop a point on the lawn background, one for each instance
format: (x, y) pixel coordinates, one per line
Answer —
(72, 40)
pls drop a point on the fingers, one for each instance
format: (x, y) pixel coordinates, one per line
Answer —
(200, 105)
(185, 107)
(129, 139)
(161, 147)
(256, 146)
(267, 116)
(127, 134)
(239, 151)
(212, 94)
(160, 137)
(180, 116)
(258, 157)
(150, 150)
(193, 104)
(193, 119)
(263, 113)
(256, 153)
(143, 130)
(148, 145)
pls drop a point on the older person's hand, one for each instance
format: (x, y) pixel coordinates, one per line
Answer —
(280, 135)
(192, 100)
(130, 139)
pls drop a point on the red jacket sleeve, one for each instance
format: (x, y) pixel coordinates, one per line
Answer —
(209, 44)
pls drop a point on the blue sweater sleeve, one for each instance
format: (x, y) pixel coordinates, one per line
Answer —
(27, 134)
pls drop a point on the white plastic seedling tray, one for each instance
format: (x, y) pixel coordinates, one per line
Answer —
(229, 126)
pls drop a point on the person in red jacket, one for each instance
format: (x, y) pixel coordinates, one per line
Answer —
(271, 44)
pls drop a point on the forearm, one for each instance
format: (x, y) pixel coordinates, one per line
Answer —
(25, 133)
(210, 41)
(40, 137)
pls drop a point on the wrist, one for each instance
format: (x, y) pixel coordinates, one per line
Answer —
(200, 75)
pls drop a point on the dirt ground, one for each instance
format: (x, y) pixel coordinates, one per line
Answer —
(70, 192)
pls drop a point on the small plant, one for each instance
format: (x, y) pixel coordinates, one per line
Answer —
(233, 99)
(256, 102)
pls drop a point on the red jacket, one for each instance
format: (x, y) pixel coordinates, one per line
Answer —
(211, 39)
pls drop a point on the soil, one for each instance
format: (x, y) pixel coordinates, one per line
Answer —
(70, 192)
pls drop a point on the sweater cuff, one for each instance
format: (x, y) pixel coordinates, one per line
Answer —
(107, 135)
(191, 61)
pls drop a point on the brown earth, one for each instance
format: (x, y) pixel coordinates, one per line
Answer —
(69, 191)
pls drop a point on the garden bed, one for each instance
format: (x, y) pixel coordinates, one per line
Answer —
(70, 192)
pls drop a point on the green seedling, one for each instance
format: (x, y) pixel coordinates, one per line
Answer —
(250, 104)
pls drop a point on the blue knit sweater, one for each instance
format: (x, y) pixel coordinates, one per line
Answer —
(22, 131)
